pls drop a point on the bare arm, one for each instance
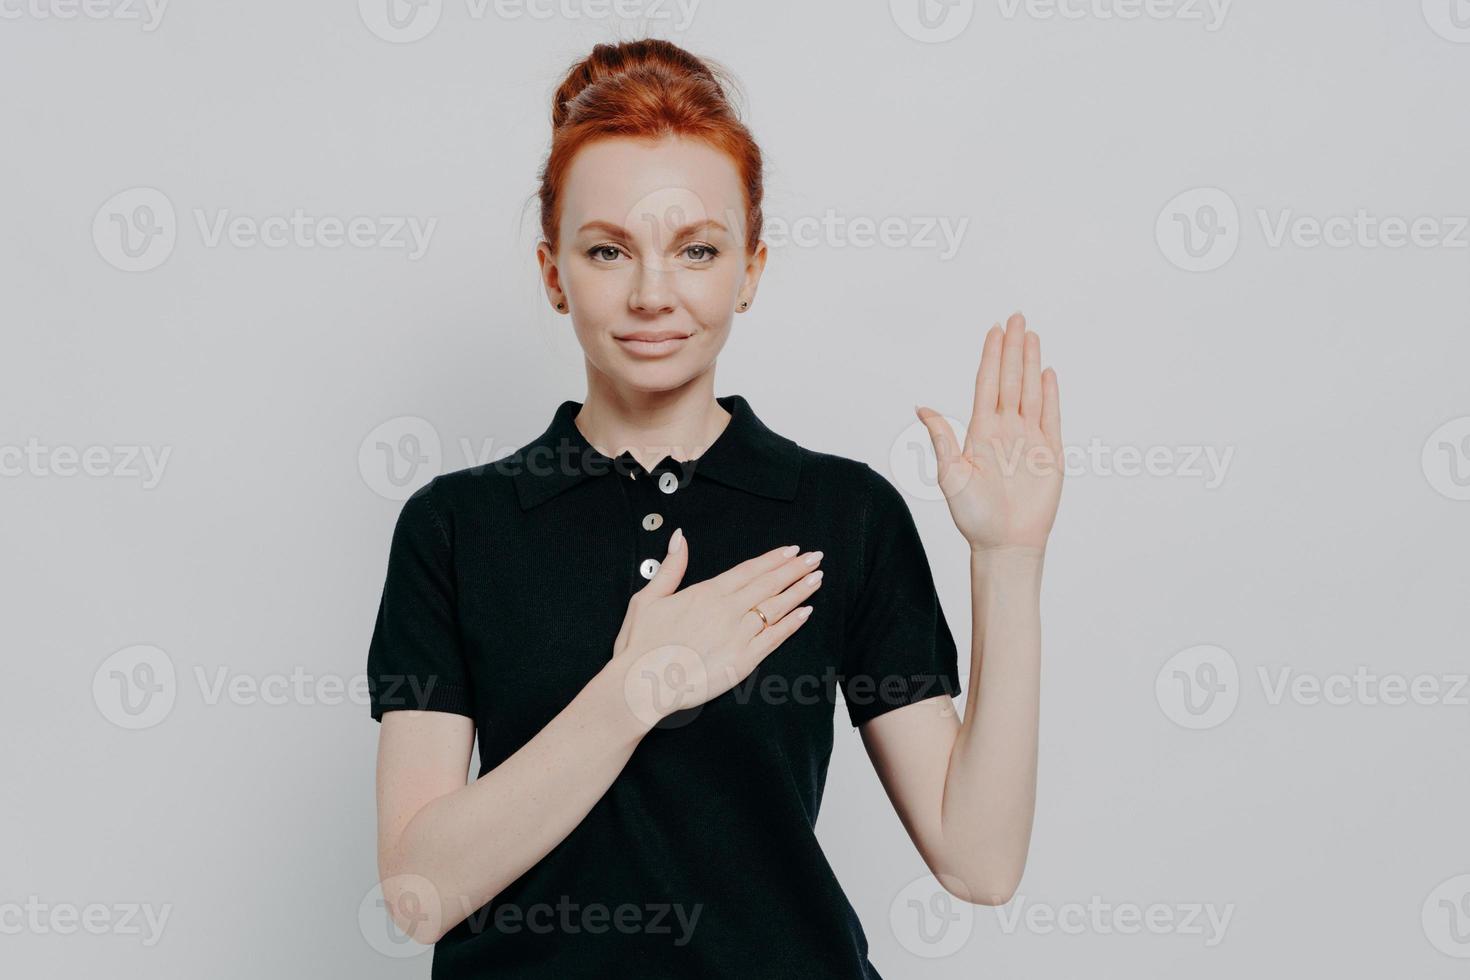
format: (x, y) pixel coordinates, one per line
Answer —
(433, 857)
(966, 789)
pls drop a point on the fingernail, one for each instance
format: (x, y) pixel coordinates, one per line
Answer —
(676, 541)
(803, 612)
(814, 557)
(814, 577)
(790, 550)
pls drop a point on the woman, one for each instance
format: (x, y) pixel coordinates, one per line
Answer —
(624, 612)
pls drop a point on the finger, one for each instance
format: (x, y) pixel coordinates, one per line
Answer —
(768, 639)
(1051, 407)
(1010, 363)
(940, 433)
(782, 602)
(738, 576)
(763, 586)
(1031, 380)
(987, 378)
(670, 572)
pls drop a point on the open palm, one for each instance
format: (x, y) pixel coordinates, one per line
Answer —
(1004, 482)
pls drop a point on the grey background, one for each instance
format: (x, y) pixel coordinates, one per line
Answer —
(1332, 833)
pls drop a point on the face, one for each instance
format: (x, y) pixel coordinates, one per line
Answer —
(651, 260)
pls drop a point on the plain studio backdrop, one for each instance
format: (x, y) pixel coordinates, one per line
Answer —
(267, 267)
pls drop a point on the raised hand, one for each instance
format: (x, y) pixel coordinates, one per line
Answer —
(1004, 482)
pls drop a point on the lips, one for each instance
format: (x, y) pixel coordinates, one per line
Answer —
(652, 343)
(654, 335)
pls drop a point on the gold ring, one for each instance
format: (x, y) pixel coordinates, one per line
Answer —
(764, 621)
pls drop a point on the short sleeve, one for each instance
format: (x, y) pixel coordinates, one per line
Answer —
(415, 659)
(899, 647)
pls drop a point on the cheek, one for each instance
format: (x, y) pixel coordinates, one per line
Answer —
(709, 297)
(601, 301)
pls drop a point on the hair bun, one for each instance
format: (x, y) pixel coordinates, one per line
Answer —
(647, 60)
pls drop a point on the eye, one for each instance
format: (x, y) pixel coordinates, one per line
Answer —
(597, 250)
(709, 250)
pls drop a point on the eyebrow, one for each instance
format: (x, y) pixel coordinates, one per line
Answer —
(617, 231)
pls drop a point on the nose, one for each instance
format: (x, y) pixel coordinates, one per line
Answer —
(652, 289)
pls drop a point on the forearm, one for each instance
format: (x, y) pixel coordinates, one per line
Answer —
(466, 846)
(990, 786)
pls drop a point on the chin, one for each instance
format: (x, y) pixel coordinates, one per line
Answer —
(662, 378)
(641, 375)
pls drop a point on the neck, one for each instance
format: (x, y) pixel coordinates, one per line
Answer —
(680, 422)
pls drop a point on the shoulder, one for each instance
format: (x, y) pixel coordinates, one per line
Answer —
(829, 470)
(485, 482)
(845, 481)
(471, 492)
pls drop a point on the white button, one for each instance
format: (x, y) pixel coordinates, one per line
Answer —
(649, 568)
(652, 522)
(668, 482)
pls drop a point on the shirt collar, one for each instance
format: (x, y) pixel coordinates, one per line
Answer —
(746, 455)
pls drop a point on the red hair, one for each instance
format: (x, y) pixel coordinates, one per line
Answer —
(647, 89)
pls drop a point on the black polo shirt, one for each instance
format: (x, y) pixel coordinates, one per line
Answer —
(506, 586)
